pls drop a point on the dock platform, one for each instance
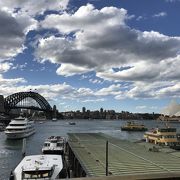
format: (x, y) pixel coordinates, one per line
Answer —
(87, 157)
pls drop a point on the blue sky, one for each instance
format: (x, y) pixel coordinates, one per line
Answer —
(120, 55)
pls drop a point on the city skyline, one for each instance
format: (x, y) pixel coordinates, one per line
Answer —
(119, 55)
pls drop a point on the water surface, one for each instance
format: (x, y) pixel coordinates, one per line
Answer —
(10, 150)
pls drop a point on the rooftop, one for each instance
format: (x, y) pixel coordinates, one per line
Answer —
(125, 158)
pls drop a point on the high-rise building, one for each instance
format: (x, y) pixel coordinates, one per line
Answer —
(101, 110)
(83, 109)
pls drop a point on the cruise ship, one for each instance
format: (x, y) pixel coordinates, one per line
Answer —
(20, 128)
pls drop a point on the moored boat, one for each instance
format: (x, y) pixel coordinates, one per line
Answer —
(39, 167)
(54, 145)
(163, 136)
(132, 126)
(72, 123)
(54, 119)
(20, 128)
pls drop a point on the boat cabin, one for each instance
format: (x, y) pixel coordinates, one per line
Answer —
(54, 145)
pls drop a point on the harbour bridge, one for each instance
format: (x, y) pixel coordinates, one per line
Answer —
(27, 100)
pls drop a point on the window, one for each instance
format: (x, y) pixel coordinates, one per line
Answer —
(37, 174)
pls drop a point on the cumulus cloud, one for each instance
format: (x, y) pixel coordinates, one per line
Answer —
(4, 67)
(111, 90)
(52, 92)
(170, 91)
(86, 18)
(92, 40)
(33, 7)
(17, 19)
(9, 83)
(70, 69)
(12, 33)
(102, 41)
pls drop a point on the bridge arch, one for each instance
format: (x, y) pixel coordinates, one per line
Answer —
(11, 101)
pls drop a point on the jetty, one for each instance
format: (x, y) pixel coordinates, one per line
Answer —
(96, 155)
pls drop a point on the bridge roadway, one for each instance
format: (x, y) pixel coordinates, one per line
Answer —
(87, 157)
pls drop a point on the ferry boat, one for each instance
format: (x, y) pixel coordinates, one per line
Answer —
(54, 145)
(20, 128)
(163, 136)
(72, 123)
(132, 126)
(54, 119)
(39, 167)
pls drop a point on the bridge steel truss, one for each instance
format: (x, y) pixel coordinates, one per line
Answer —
(11, 101)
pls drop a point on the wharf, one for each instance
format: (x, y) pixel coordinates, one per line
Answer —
(87, 157)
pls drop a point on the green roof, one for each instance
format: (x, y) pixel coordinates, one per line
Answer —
(125, 158)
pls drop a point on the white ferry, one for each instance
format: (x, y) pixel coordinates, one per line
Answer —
(39, 167)
(20, 128)
(54, 119)
(54, 145)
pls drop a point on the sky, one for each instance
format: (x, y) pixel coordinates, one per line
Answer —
(119, 54)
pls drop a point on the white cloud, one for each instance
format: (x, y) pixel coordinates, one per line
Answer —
(17, 19)
(4, 67)
(100, 41)
(86, 18)
(96, 81)
(93, 100)
(146, 107)
(139, 18)
(70, 69)
(20, 67)
(112, 44)
(170, 91)
(141, 107)
(160, 14)
(7, 85)
(33, 7)
(111, 90)
(14, 28)
(85, 76)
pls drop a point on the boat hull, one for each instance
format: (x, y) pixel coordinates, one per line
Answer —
(176, 147)
(19, 135)
(133, 129)
(59, 152)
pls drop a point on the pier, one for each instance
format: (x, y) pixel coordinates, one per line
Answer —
(88, 157)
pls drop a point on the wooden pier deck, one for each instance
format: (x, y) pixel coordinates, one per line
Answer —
(87, 156)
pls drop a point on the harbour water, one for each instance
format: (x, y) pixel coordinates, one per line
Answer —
(10, 150)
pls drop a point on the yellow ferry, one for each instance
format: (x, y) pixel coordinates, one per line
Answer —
(132, 126)
(163, 136)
